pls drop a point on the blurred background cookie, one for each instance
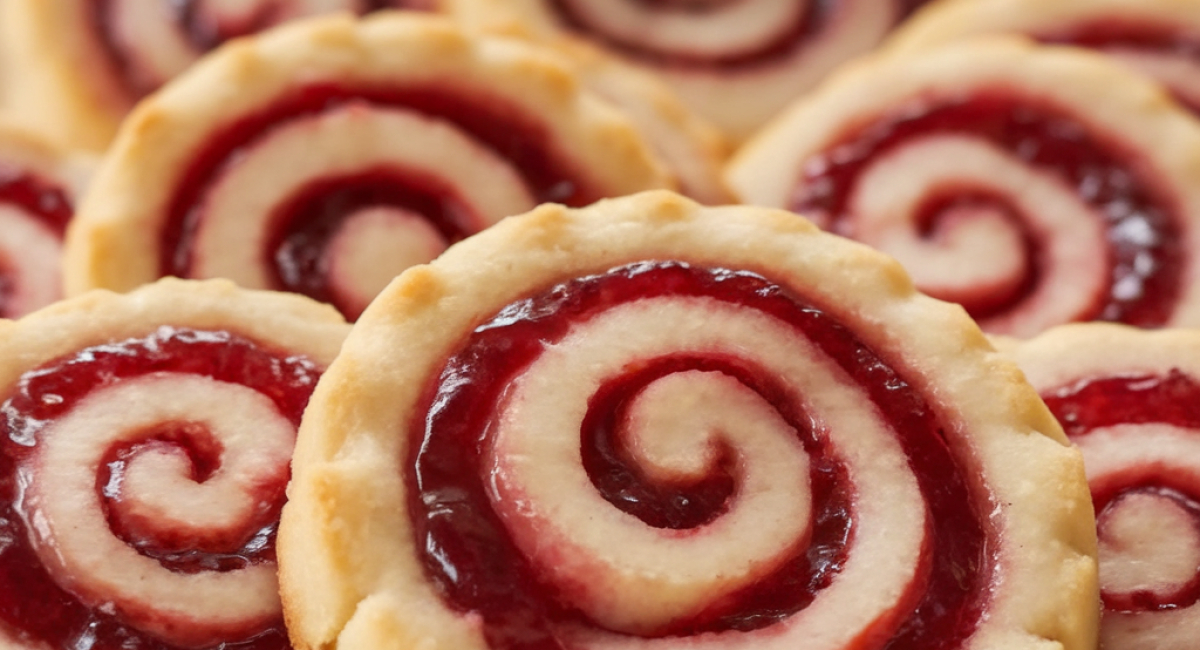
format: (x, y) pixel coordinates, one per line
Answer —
(735, 62)
(1033, 185)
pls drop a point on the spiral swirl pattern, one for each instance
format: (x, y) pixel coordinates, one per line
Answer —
(1135, 422)
(426, 135)
(1009, 199)
(1008, 234)
(725, 423)
(142, 482)
(397, 187)
(762, 52)
(673, 441)
(724, 33)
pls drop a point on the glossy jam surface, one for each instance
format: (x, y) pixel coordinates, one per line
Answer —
(818, 17)
(514, 136)
(31, 603)
(38, 198)
(1172, 399)
(475, 564)
(1146, 253)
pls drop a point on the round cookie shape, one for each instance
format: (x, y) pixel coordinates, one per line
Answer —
(328, 155)
(1126, 398)
(85, 63)
(146, 450)
(39, 183)
(1005, 176)
(735, 62)
(1159, 38)
(646, 423)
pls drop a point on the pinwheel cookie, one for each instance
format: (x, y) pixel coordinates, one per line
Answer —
(327, 156)
(1129, 399)
(84, 63)
(38, 188)
(651, 424)
(145, 454)
(736, 62)
(1033, 185)
(1160, 38)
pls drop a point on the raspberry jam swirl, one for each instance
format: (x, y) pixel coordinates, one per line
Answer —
(34, 212)
(1166, 51)
(148, 42)
(1140, 438)
(140, 489)
(729, 34)
(667, 454)
(256, 205)
(1013, 208)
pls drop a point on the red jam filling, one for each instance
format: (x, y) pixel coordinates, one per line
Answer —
(302, 225)
(1146, 256)
(1103, 34)
(818, 17)
(477, 567)
(33, 196)
(31, 602)
(1171, 399)
(203, 32)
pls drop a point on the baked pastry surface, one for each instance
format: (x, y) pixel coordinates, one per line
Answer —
(1005, 176)
(646, 423)
(327, 156)
(146, 448)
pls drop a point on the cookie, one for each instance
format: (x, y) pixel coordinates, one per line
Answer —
(1159, 38)
(39, 185)
(1127, 398)
(327, 156)
(143, 465)
(649, 423)
(1005, 176)
(735, 63)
